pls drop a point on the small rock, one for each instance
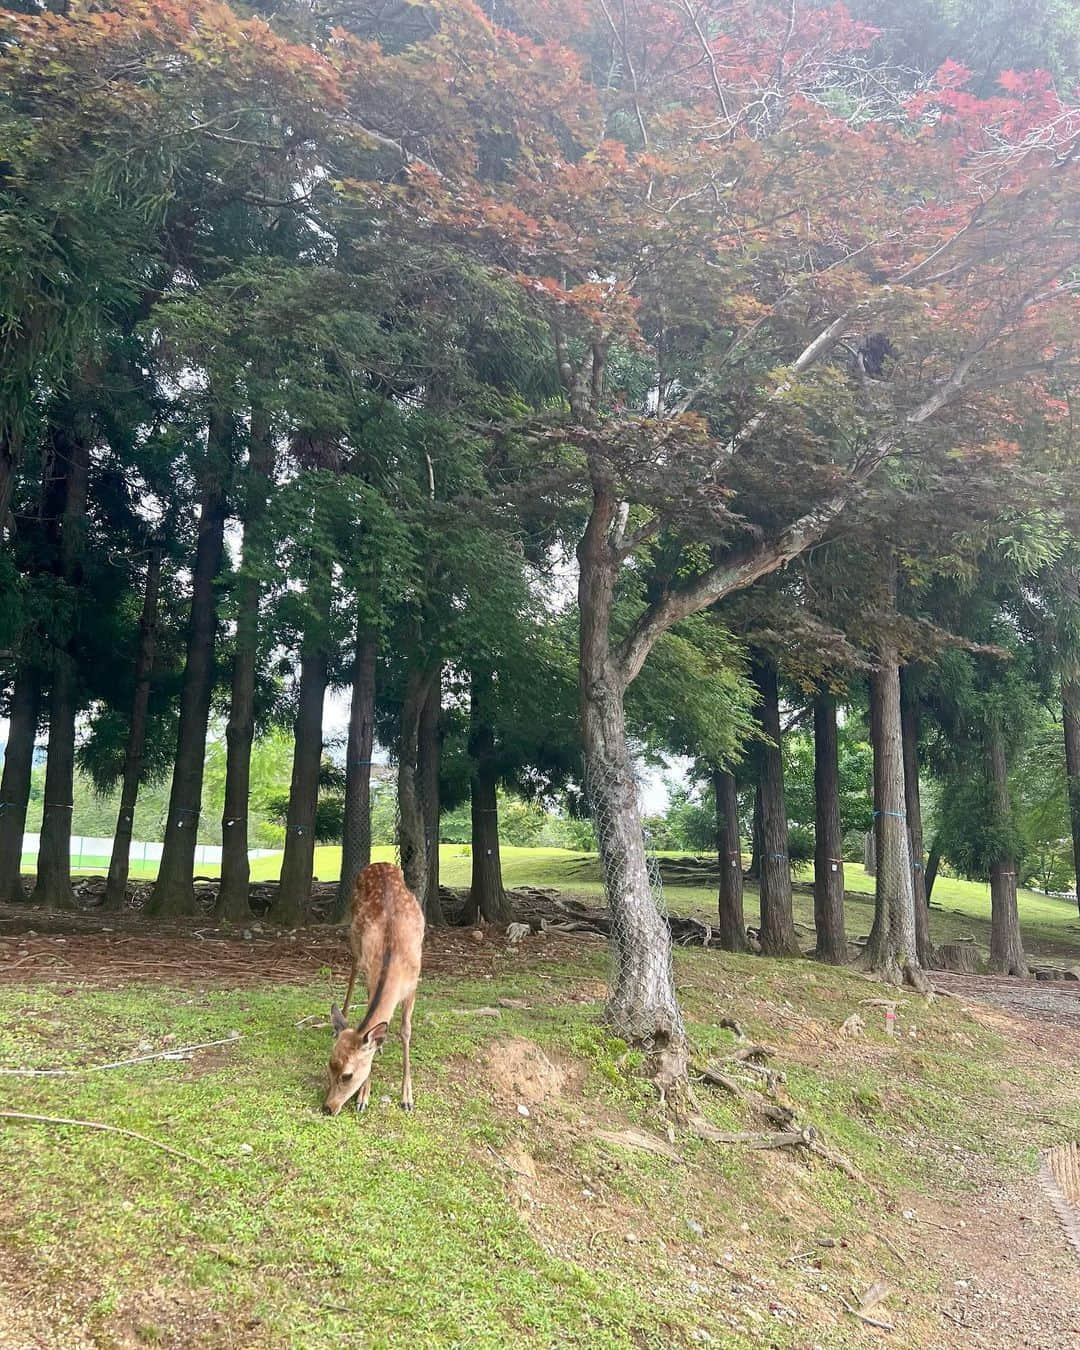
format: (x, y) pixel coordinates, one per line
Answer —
(248, 934)
(384, 1101)
(477, 935)
(523, 1110)
(700, 1334)
(587, 1193)
(695, 1227)
(631, 1237)
(143, 1048)
(246, 1149)
(695, 1288)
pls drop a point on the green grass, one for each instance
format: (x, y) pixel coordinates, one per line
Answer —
(394, 1230)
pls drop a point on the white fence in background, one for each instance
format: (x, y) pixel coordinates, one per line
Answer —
(91, 850)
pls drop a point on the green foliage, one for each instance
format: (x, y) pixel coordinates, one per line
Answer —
(973, 833)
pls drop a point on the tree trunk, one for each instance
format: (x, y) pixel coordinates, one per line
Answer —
(116, 884)
(1006, 947)
(870, 854)
(778, 936)
(71, 447)
(429, 764)
(174, 891)
(757, 837)
(232, 901)
(1070, 704)
(53, 887)
(7, 478)
(487, 895)
(412, 833)
(294, 890)
(729, 857)
(933, 861)
(356, 830)
(828, 836)
(892, 938)
(643, 1007)
(909, 723)
(15, 783)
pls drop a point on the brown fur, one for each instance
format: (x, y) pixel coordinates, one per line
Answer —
(385, 937)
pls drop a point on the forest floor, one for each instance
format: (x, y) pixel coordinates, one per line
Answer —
(538, 1195)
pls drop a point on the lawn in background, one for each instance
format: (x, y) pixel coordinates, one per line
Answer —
(960, 908)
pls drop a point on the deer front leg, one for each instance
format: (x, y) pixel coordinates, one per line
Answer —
(362, 1096)
(406, 1037)
(348, 992)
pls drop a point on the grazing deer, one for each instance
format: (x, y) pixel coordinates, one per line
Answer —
(385, 938)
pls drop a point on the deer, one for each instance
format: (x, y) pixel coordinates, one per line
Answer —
(386, 934)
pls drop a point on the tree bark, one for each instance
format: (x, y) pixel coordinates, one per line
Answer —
(778, 937)
(429, 764)
(729, 857)
(174, 891)
(487, 895)
(909, 724)
(356, 828)
(1070, 705)
(828, 836)
(1006, 947)
(892, 939)
(7, 476)
(232, 901)
(15, 783)
(933, 861)
(757, 838)
(412, 832)
(294, 890)
(71, 449)
(642, 1006)
(119, 862)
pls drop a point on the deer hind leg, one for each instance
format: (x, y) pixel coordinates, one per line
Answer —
(406, 1037)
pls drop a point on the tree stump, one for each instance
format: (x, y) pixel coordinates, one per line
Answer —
(959, 956)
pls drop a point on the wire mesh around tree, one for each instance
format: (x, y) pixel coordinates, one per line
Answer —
(640, 945)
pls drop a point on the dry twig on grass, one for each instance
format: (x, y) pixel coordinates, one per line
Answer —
(109, 1129)
(175, 1052)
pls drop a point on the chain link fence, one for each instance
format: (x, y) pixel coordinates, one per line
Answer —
(642, 971)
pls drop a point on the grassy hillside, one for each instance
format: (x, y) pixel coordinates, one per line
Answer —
(476, 1223)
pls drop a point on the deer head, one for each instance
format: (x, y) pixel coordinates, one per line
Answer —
(351, 1059)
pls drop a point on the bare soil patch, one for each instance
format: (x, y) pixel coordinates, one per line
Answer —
(110, 951)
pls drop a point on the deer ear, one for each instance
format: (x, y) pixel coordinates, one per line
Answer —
(336, 1018)
(377, 1034)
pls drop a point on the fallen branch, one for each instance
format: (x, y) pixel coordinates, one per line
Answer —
(109, 1129)
(865, 1317)
(177, 1052)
